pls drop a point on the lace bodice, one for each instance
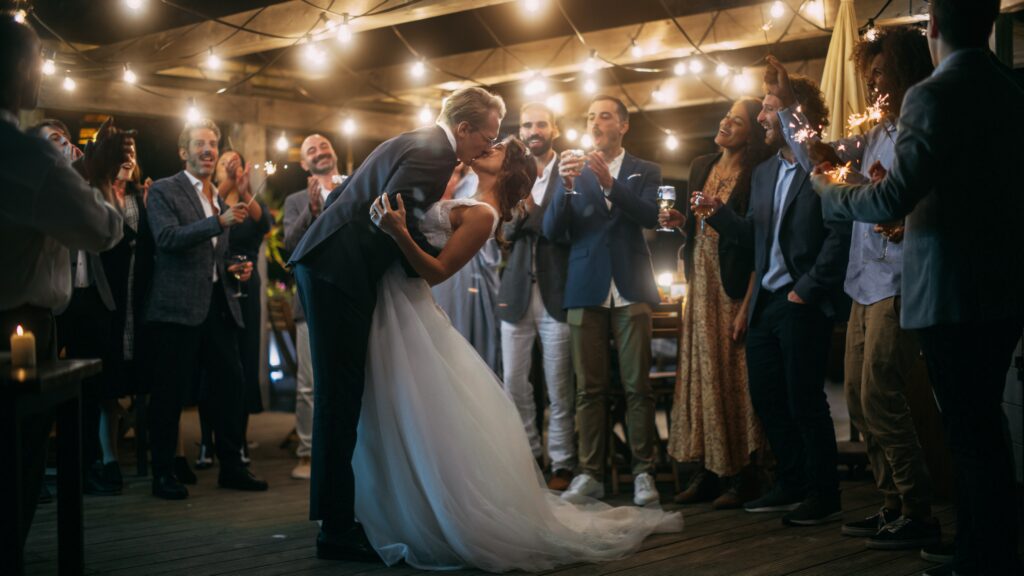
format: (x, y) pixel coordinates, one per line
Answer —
(436, 225)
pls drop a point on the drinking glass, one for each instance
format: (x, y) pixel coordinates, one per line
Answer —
(666, 200)
(238, 259)
(581, 155)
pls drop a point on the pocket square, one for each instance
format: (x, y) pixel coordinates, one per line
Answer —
(631, 176)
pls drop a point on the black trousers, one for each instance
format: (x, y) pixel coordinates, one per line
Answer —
(180, 353)
(967, 365)
(787, 352)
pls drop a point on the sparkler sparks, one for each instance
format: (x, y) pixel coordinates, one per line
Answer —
(840, 173)
(801, 135)
(872, 114)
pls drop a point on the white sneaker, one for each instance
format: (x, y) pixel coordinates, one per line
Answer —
(582, 488)
(644, 490)
(303, 470)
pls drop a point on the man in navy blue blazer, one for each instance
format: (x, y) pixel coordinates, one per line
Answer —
(800, 262)
(609, 291)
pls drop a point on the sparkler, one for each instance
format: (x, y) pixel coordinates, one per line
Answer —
(840, 173)
(801, 135)
(872, 114)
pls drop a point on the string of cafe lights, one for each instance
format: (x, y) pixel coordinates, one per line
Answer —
(535, 83)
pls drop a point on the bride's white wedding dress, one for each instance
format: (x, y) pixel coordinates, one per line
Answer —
(445, 477)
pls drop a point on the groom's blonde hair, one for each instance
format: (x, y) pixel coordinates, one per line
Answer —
(471, 105)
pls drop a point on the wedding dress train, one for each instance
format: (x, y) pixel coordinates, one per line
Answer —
(445, 478)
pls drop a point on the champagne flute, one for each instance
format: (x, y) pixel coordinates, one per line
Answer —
(700, 209)
(578, 154)
(666, 200)
(240, 260)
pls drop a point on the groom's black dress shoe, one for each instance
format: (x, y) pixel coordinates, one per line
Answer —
(166, 486)
(351, 545)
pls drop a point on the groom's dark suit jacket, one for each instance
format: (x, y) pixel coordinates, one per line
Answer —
(416, 165)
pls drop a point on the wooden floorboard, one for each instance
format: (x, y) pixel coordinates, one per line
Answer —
(222, 532)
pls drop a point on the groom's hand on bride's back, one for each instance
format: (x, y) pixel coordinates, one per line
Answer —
(390, 220)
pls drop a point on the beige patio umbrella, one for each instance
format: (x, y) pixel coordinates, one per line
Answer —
(841, 82)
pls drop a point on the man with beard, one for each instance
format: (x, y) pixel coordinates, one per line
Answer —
(601, 206)
(800, 263)
(300, 209)
(192, 314)
(530, 304)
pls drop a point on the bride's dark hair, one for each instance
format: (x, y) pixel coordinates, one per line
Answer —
(514, 180)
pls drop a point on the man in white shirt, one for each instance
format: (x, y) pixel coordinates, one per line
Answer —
(300, 209)
(601, 210)
(530, 305)
(192, 313)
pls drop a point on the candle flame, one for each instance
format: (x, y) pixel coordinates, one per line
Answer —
(19, 330)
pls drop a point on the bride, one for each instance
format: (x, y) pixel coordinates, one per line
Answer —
(445, 478)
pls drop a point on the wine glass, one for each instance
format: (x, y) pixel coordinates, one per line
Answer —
(666, 200)
(239, 259)
(700, 209)
(578, 154)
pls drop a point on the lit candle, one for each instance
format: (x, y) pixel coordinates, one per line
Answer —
(23, 348)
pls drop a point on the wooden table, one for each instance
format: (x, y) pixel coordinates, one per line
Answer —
(36, 393)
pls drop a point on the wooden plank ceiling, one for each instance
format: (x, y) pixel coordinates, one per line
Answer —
(268, 72)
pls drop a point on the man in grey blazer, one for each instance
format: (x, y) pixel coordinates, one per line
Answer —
(300, 209)
(956, 179)
(192, 313)
(530, 305)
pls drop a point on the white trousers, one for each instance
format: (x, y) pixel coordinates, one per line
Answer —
(303, 390)
(517, 354)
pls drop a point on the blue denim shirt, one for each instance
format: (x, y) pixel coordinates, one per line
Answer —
(869, 278)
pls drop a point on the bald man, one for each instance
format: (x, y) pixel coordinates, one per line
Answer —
(300, 209)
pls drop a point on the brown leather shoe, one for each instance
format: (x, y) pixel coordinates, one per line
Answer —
(701, 488)
(560, 480)
(728, 500)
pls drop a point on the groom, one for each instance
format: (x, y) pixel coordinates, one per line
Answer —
(337, 266)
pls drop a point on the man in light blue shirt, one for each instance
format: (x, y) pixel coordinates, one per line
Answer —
(879, 354)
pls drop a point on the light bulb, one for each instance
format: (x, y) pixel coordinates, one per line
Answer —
(658, 95)
(590, 65)
(315, 56)
(587, 141)
(20, 16)
(721, 70)
(536, 85)
(133, 5)
(636, 50)
(345, 31)
(282, 143)
(49, 67)
(426, 115)
(777, 9)
(671, 142)
(531, 6)
(192, 114)
(590, 87)
(815, 9)
(418, 69)
(872, 34)
(348, 126)
(69, 84)
(129, 76)
(742, 82)
(213, 61)
(556, 103)
(696, 66)
(665, 279)
(679, 69)
(571, 134)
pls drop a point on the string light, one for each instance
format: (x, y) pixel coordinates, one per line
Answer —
(212, 60)
(636, 50)
(345, 30)
(418, 69)
(129, 76)
(815, 9)
(20, 16)
(426, 115)
(872, 33)
(536, 85)
(671, 142)
(659, 95)
(696, 66)
(192, 115)
(282, 143)
(587, 141)
(767, 25)
(348, 127)
(69, 83)
(531, 6)
(742, 82)
(49, 67)
(590, 87)
(777, 9)
(590, 65)
(571, 134)
(133, 5)
(679, 69)
(315, 56)
(721, 70)
(556, 103)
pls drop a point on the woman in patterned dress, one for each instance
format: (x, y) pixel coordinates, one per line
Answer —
(713, 422)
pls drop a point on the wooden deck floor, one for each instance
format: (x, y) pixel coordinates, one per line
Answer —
(226, 532)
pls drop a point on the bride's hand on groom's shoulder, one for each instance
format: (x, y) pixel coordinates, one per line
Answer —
(389, 219)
